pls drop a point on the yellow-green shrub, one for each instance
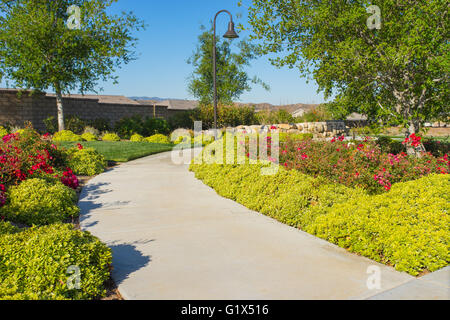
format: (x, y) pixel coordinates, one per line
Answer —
(87, 136)
(158, 138)
(3, 132)
(407, 227)
(86, 162)
(34, 263)
(137, 138)
(40, 202)
(66, 136)
(111, 137)
(285, 196)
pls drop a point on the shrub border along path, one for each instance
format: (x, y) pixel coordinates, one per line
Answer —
(173, 237)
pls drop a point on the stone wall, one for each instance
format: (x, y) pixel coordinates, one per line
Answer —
(17, 110)
(318, 129)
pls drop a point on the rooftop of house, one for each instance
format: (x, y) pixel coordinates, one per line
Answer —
(172, 104)
(109, 99)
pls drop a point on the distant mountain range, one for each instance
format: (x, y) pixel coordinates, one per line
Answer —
(152, 98)
(258, 106)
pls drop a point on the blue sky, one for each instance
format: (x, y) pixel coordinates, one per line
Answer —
(171, 37)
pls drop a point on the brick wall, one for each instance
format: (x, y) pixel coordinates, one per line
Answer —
(38, 107)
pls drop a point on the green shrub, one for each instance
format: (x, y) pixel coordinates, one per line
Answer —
(158, 138)
(102, 125)
(40, 202)
(51, 125)
(285, 196)
(137, 138)
(89, 137)
(127, 127)
(295, 136)
(86, 162)
(75, 124)
(406, 228)
(66, 136)
(34, 263)
(111, 137)
(3, 132)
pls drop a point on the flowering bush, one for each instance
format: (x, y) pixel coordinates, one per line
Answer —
(69, 179)
(39, 202)
(360, 164)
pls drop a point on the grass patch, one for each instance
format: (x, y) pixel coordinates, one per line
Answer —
(122, 151)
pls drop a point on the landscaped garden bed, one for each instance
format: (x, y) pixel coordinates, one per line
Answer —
(40, 240)
(392, 208)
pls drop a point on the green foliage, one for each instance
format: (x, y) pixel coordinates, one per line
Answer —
(182, 120)
(398, 74)
(227, 116)
(86, 162)
(318, 114)
(127, 127)
(49, 54)
(3, 132)
(75, 124)
(286, 196)
(111, 137)
(40, 202)
(406, 228)
(158, 138)
(51, 126)
(66, 135)
(102, 125)
(268, 117)
(136, 138)
(232, 79)
(87, 136)
(34, 263)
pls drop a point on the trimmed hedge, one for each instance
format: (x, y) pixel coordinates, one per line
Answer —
(34, 263)
(406, 228)
(40, 202)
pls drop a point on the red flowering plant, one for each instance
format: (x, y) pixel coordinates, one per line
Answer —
(28, 155)
(360, 164)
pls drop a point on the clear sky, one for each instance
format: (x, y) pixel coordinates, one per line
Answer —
(169, 40)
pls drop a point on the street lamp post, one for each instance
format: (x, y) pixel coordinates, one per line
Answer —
(230, 34)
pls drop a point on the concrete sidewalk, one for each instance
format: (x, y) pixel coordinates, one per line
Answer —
(174, 238)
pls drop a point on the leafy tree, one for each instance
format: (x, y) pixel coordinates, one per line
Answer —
(396, 74)
(39, 49)
(232, 79)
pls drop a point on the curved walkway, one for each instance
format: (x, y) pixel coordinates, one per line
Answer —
(174, 238)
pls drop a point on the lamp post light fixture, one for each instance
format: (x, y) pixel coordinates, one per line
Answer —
(230, 34)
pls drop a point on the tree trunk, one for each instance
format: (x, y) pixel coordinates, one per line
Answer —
(60, 108)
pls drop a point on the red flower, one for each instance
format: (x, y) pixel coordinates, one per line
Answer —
(80, 147)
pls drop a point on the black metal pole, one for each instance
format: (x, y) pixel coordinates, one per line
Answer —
(215, 69)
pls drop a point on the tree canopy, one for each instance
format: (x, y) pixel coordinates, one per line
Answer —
(39, 50)
(232, 79)
(397, 72)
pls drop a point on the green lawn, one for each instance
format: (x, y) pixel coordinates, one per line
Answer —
(122, 151)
